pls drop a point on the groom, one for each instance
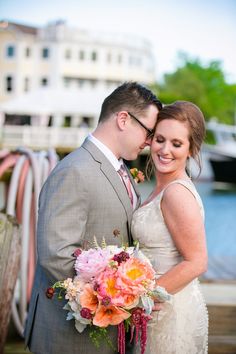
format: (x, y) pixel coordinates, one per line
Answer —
(85, 197)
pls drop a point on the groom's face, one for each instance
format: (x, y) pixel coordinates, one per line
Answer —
(139, 132)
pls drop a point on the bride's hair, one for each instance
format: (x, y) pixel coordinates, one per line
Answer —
(186, 112)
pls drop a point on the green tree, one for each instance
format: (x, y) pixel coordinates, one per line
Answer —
(205, 85)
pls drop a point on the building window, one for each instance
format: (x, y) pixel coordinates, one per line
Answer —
(119, 58)
(131, 61)
(93, 56)
(81, 82)
(50, 121)
(67, 82)
(68, 54)
(81, 55)
(139, 61)
(26, 84)
(86, 122)
(67, 121)
(27, 52)
(15, 119)
(45, 52)
(10, 51)
(108, 57)
(44, 81)
(93, 82)
(9, 83)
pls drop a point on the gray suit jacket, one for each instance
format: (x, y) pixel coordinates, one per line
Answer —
(83, 197)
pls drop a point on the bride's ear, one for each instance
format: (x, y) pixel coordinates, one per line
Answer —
(121, 120)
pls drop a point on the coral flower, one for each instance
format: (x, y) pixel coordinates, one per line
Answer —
(109, 315)
(135, 273)
(88, 298)
(130, 301)
(116, 290)
(108, 286)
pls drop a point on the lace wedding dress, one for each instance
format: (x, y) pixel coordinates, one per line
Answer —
(181, 326)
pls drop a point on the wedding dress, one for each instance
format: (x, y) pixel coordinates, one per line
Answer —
(181, 326)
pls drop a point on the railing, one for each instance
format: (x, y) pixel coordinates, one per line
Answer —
(38, 137)
(225, 140)
(44, 138)
(224, 134)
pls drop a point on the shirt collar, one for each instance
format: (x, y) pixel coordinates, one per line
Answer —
(107, 152)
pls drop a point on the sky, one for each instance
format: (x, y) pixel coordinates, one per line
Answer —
(204, 29)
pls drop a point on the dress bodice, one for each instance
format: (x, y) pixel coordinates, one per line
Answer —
(149, 228)
(181, 326)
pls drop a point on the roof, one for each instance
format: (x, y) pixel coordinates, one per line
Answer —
(19, 27)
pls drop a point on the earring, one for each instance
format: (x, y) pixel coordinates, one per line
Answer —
(189, 170)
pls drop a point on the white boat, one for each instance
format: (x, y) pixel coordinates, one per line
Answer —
(222, 155)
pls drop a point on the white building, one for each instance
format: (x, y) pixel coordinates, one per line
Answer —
(46, 73)
(59, 56)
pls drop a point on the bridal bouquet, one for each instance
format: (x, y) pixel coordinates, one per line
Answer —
(113, 286)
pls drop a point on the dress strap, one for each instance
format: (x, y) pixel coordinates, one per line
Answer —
(190, 186)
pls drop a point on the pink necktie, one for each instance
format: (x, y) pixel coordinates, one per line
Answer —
(125, 178)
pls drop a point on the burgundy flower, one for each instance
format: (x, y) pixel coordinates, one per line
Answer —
(77, 252)
(136, 316)
(139, 320)
(50, 292)
(95, 286)
(121, 338)
(106, 300)
(86, 313)
(121, 257)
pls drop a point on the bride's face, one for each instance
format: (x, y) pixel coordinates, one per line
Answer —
(170, 146)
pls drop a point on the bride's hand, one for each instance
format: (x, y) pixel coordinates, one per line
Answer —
(157, 306)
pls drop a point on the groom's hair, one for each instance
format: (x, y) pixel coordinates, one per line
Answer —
(130, 96)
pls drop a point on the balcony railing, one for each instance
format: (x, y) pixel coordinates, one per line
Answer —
(38, 137)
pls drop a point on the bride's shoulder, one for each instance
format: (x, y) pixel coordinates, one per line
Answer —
(182, 202)
(179, 191)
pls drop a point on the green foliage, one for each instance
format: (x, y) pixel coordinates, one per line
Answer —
(204, 85)
(210, 137)
(99, 335)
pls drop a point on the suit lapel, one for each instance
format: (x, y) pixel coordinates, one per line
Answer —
(111, 174)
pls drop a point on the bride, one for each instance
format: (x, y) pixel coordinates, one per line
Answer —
(170, 229)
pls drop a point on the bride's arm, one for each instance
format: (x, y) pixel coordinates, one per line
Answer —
(182, 216)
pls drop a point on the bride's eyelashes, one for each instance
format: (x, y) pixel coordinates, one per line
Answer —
(176, 143)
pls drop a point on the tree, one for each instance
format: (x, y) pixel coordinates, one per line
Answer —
(203, 85)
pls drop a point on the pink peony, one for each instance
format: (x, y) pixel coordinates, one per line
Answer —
(91, 263)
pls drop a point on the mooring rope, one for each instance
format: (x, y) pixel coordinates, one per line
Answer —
(29, 171)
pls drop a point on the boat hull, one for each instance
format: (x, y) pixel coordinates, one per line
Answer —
(224, 170)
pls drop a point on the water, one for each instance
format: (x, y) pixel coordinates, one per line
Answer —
(220, 223)
(220, 209)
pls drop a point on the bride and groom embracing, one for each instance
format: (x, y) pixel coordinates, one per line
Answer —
(87, 195)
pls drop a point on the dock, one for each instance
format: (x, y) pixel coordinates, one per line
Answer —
(221, 304)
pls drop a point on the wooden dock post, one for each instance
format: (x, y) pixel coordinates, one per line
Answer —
(10, 251)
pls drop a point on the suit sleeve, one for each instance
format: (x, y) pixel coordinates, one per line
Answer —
(63, 212)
